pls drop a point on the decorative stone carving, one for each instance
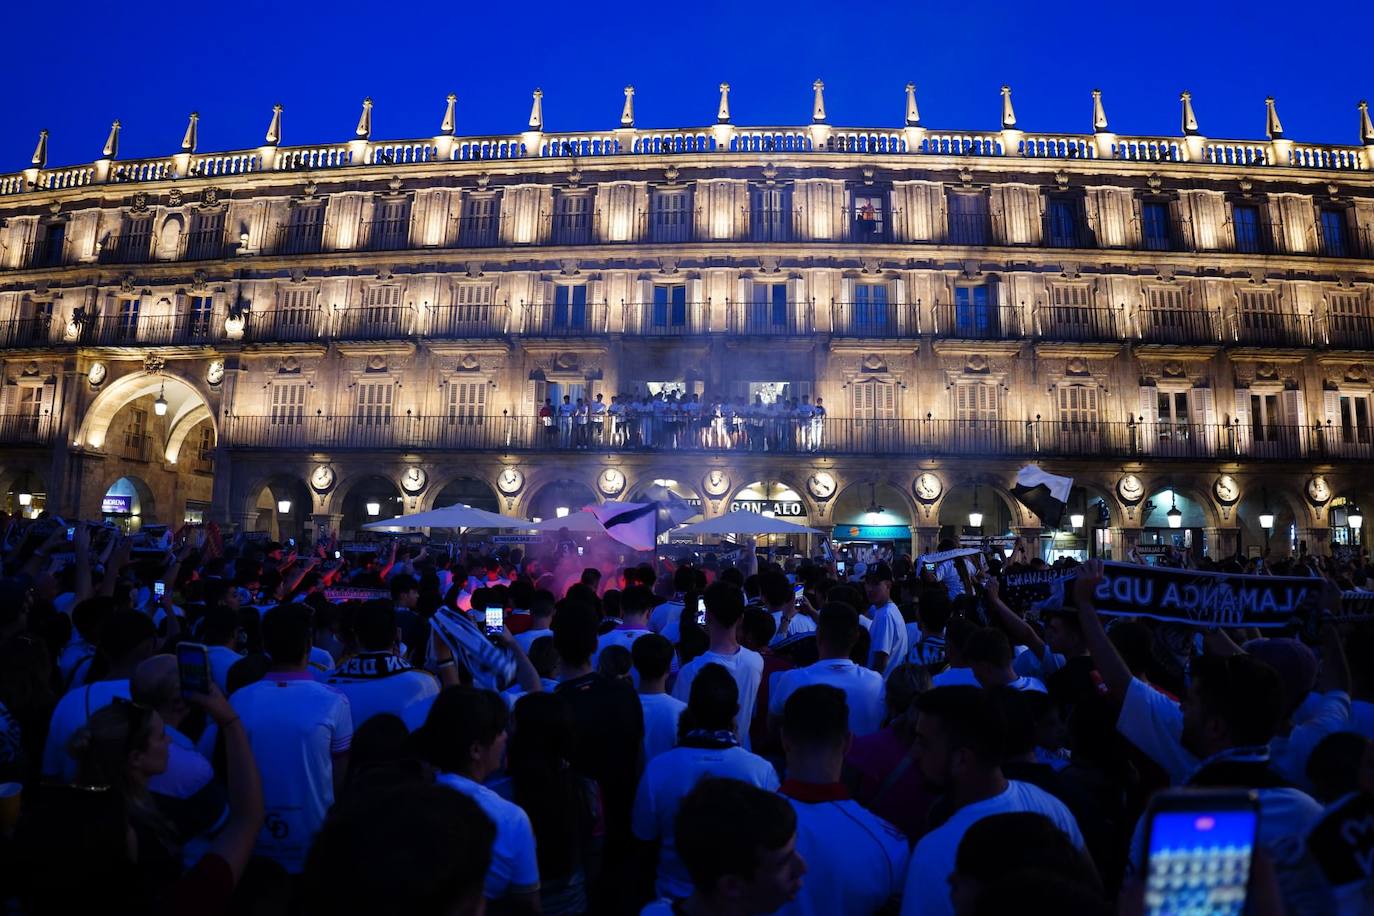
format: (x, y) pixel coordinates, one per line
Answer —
(126, 283)
(376, 363)
(976, 364)
(1357, 373)
(874, 363)
(1076, 365)
(1265, 371)
(210, 197)
(174, 198)
(199, 280)
(1174, 370)
(671, 173)
(483, 180)
(574, 178)
(872, 265)
(289, 366)
(140, 202)
(394, 183)
(153, 363)
(566, 360)
(468, 363)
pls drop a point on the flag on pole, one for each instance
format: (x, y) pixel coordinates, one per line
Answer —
(633, 524)
(1043, 493)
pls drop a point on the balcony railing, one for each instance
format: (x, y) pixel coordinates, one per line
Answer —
(976, 322)
(1076, 323)
(387, 234)
(302, 238)
(666, 319)
(670, 226)
(970, 229)
(771, 224)
(30, 332)
(1271, 329)
(284, 325)
(1061, 234)
(1177, 326)
(831, 435)
(26, 429)
(373, 322)
(1354, 332)
(135, 446)
(1343, 243)
(127, 249)
(572, 228)
(891, 320)
(769, 319)
(869, 225)
(477, 231)
(566, 320)
(203, 245)
(469, 321)
(45, 252)
(146, 330)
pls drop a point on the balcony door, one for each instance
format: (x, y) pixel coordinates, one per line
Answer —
(871, 312)
(975, 311)
(569, 307)
(669, 308)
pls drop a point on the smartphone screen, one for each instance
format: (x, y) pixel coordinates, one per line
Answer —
(839, 567)
(797, 591)
(159, 589)
(1199, 855)
(193, 664)
(701, 612)
(495, 619)
(71, 533)
(338, 555)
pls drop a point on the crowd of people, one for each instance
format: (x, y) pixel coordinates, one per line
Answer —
(673, 419)
(400, 732)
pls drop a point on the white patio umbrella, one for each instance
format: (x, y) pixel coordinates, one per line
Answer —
(742, 521)
(575, 522)
(455, 516)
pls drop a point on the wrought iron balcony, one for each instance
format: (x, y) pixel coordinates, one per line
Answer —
(666, 319)
(1178, 326)
(292, 325)
(879, 320)
(38, 331)
(1075, 323)
(373, 322)
(127, 249)
(566, 320)
(829, 436)
(387, 234)
(771, 224)
(970, 229)
(468, 321)
(27, 429)
(770, 319)
(977, 321)
(203, 245)
(299, 238)
(1271, 329)
(1352, 332)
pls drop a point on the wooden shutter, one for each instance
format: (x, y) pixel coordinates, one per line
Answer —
(288, 403)
(1241, 421)
(374, 403)
(1202, 414)
(885, 400)
(1294, 416)
(467, 402)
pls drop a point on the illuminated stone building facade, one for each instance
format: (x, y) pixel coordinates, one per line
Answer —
(280, 336)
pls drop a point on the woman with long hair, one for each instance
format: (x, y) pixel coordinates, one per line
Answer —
(564, 808)
(104, 840)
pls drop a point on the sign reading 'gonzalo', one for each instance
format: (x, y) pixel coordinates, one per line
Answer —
(1176, 595)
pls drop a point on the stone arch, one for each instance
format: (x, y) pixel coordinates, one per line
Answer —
(261, 501)
(808, 504)
(23, 478)
(455, 484)
(351, 497)
(184, 398)
(893, 496)
(1197, 493)
(143, 504)
(547, 491)
(957, 501)
(181, 427)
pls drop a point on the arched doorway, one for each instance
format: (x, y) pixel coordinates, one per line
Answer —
(26, 495)
(1276, 539)
(368, 500)
(559, 499)
(129, 504)
(781, 501)
(283, 507)
(183, 406)
(872, 516)
(1172, 519)
(1085, 530)
(469, 491)
(973, 513)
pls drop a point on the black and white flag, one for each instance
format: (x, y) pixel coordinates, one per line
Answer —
(1043, 493)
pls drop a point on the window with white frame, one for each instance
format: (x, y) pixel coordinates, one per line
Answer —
(1265, 418)
(1070, 306)
(126, 318)
(874, 399)
(1078, 407)
(471, 301)
(1167, 307)
(28, 407)
(1172, 417)
(1355, 418)
(975, 402)
(198, 312)
(374, 403)
(288, 403)
(467, 402)
(205, 447)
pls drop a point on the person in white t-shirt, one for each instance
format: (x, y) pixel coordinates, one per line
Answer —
(739, 844)
(127, 638)
(300, 731)
(724, 608)
(958, 749)
(670, 611)
(653, 657)
(863, 688)
(707, 746)
(541, 620)
(635, 604)
(219, 632)
(465, 739)
(791, 616)
(378, 679)
(1004, 844)
(156, 684)
(990, 655)
(856, 861)
(957, 632)
(889, 646)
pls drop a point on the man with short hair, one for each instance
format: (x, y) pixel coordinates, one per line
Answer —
(863, 688)
(220, 633)
(378, 679)
(542, 605)
(300, 731)
(856, 860)
(724, 608)
(888, 630)
(738, 844)
(668, 613)
(990, 655)
(635, 604)
(709, 748)
(958, 674)
(958, 748)
(780, 599)
(653, 656)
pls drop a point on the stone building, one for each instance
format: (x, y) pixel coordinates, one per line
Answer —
(295, 338)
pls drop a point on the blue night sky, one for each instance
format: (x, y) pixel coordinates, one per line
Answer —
(79, 65)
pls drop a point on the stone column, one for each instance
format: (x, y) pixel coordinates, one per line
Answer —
(924, 539)
(1124, 540)
(1222, 542)
(325, 523)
